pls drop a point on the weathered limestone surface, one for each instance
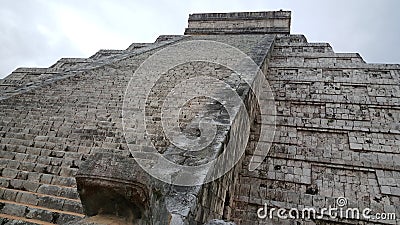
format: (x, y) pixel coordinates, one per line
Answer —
(48, 129)
(65, 159)
(277, 22)
(337, 136)
(72, 120)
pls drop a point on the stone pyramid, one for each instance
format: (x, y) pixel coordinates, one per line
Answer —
(88, 141)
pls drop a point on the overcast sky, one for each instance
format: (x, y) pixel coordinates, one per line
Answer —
(38, 32)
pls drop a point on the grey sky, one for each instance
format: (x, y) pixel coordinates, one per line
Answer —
(37, 32)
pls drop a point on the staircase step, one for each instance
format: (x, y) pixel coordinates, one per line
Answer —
(43, 200)
(72, 152)
(54, 190)
(43, 178)
(30, 163)
(16, 220)
(50, 216)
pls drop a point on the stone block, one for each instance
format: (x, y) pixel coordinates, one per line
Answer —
(14, 210)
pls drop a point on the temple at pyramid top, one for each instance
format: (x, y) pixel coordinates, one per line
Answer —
(271, 22)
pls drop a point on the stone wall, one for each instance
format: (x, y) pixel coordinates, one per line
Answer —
(337, 136)
(239, 23)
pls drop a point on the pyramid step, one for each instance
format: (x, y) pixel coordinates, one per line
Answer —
(71, 152)
(25, 185)
(16, 142)
(22, 142)
(16, 162)
(38, 177)
(42, 200)
(15, 220)
(326, 55)
(281, 62)
(49, 216)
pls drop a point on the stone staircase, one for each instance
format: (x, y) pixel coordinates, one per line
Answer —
(36, 182)
(51, 120)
